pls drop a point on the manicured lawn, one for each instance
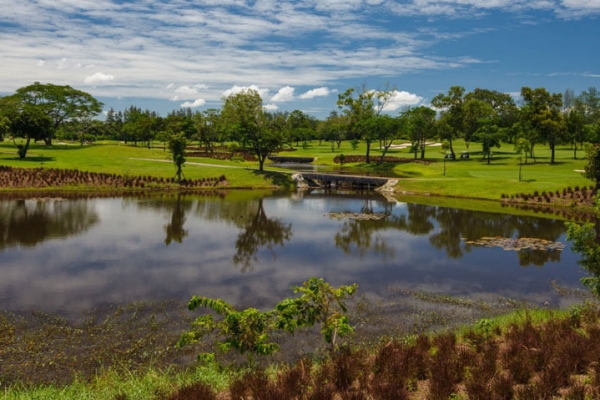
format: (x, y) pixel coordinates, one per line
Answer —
(120, 159)
(471, 178)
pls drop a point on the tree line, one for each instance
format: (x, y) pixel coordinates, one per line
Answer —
(42, 112)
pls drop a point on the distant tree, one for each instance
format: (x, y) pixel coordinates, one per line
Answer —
(140, 126)
(477, 114)
(244, 112)
(522, 147)
(490, 135)
(451, 106)
(332, 130)
(420, 124)
(592, 168)
(60, 103)
(4, 127)
(575, 129)
(177, 145)
(588, 104)
(31, 123)
(362, 110)
(541, 111)
(208, 127)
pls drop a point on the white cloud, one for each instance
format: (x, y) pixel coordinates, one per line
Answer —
(271, 107)
(157, 48)
(322, 91)
(284, 94)
(193, 104)
(189, 92)
(402, 99)
(239, 89)
(98, 77)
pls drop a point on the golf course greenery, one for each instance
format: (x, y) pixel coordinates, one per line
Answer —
(477, 148)
(470, 178)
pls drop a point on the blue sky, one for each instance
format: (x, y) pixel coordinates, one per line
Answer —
(164, 55)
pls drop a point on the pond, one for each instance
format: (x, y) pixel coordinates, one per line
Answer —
(67, 255)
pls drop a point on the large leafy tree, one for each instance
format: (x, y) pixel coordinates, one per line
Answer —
(60, 103)
(542, 114)
(244, 111)
(362, 109)
(31, 123)
(451, 106)
(420, 124)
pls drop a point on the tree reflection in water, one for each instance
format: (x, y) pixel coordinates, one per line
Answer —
(174, 229)
(449, 229)
(260, 231)
(31, 222)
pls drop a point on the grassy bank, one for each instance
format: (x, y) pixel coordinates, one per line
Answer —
(528, 353)
(507, 174)
(115, 158)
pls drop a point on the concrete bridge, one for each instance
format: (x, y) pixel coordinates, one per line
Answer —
(330, 180)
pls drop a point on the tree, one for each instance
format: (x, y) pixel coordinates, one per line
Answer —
(575, 129)
(586, 242)
(4, 127)
(177, 145)
(420, 123)
(31, 123)
(319, 303)
(451, 106)
(245, 112)
(60, 103)
(247, 331)
(477, 114)
(140, 126)
(207, 127)
(542, 114)
(362, 110)
(592, 168)
(490, 136)
(588, 104)
(332, 130)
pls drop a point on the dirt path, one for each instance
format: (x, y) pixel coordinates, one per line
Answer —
(191, 163)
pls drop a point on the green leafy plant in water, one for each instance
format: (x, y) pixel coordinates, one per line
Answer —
(247, 331)
(321, 303)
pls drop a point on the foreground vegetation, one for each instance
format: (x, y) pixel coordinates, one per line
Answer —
(528, 354)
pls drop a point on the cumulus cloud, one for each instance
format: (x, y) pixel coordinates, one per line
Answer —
(193, 104)
(271, 107)
(402, 99)
(98, 77)
(322, 91)
(190, 90)
(239, 89)
(284, 94)
(159, 55)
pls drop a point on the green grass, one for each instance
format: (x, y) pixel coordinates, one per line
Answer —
(122, 159)
(470, 178)
(123, 383)
(473, 177)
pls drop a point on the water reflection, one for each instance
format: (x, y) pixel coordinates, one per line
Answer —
(30, 222)
(174, 229)
(170, 246)
(260, 231)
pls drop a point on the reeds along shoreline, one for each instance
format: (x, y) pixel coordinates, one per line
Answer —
(21, 178)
